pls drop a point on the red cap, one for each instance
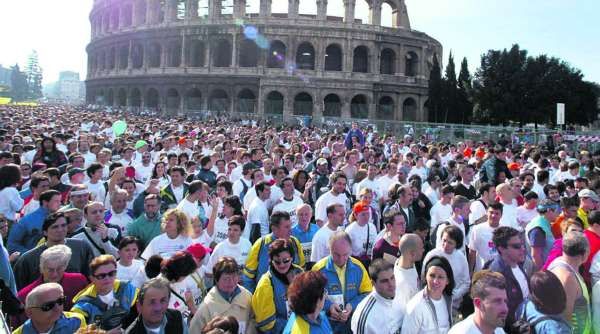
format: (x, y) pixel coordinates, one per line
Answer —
(514, 166)
(198, 251)
(360, 207)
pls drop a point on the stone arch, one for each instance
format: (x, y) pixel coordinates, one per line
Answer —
(110, 97)
(122, 97)
(173, 101)
(359, 107)
(387, 14)
(409, 110)
(387, 63)
(106, 22)
(332, 106)
(135, 98)
(154, 55)
(274, 103)
(385, 108)
(174, 54)
(222, 53)
(197, 54)
(193, 99)
(127, 15)
(99, 98)
(411, 64)
(112, 56)
(246, 101)
(333, 58)
(114, 19)
(361, 11)
(276, 56)
(152, 98)
(360, 59)
(137, 56)
(303, 104)
(248, 53)
(305, 56)
(101, 59)
(219, 101)
(140, 12)
(123, 57)
(335, 8)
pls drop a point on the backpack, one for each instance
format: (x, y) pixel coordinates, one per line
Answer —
(524, 326)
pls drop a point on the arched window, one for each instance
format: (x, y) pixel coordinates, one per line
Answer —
(387, 62)
(122, 98)
(138, 56)
(303, 104)
(135, 98)
(222, 53)
(219, 101)
(248, 53)
(174, 54)
(246, 101)
(276, 56)
(385, 108)
(152, 99)
(412, 64)
(409, 110)
(305, 56)
(274, 103)
(173, 101)
(197, 54)
(333, 58)
(123, 57)
(154, 55)
(333, 106)
(110, 98)
(360, 62)
(193, 100)
(359, 107)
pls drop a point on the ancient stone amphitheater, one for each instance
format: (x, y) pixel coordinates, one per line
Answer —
(190, 56)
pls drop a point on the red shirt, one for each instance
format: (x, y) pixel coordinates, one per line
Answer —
(594, 240)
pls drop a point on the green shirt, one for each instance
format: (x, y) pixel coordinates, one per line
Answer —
(144, 229)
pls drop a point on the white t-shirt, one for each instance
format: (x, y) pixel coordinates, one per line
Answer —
(108, 299)
(178, 192)
(97, 191)
(522, 280)
(467, 326)
(128, 273)
(176, 303)
(143, 173)
(524, 215)
(407, 283)
(480, 240)
(477, 211)
(238, 251)
(509, 216)
(441, 312)
(440, 230)
(326, 200)
(320, 243)
(289, 207)
(166, 247)
(121, 220)
(221, 228)
(190, 209)
(358, 235)
(203, 239)
(439, 212)
(258, 214)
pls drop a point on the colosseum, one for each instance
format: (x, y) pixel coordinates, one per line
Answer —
(188, 56)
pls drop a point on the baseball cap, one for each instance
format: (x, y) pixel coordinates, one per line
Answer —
(588, 193)
(75, 170)
(198, 251)
(321, 161)
(360, 207)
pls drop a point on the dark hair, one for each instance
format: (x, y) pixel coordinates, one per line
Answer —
(181, 264)
(389, 216)
(47, 195)
(547, 293)
(9, 175)
(442, 262)
(227, 185)
(485, 187)
(260, 187)
(225, 265)
(93, 168)
(502, 234)
(128, 240)
(277, 217)
(234, 202)
(331, 208)
(496, 206)
(421, 224)
(455, 233)
(279, 246)
(530, 195)
(305, 290)
(378, 266)
(36, 179)
(179, 169)
(52, 218)
(337, 175)
(549, 187)
(152, 267)
(228, 324)
(154, 174)
(594, 217)
(237, 220)
(567, 202)
(205, 160)
(195, 186)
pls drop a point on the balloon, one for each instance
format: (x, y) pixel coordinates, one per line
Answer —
(119, 128)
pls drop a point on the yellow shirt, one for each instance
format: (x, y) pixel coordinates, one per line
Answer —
(341, 273)
(584, 218)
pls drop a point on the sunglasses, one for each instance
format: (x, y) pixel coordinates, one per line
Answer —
(516, 246)
(280, 262)
(50, 305)
(105, 275)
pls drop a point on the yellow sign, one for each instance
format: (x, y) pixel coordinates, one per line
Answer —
(4, 100)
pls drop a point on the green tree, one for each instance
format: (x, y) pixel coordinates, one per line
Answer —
(463, 98)
(435, 103)
(450, 93)
(18, 83)
(34, 76)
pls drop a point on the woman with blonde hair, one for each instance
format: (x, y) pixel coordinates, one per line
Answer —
(176, 235)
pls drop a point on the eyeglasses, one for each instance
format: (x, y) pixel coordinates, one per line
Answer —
(50, 305)
(516, 246)
(280, 262)
(105, 275)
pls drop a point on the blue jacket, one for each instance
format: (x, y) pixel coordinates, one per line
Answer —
(125, 294)
(354, 133)
(27, 232)
(302, 325)
(358, 285)
(68, 323)
(552, 324)
(305, 238)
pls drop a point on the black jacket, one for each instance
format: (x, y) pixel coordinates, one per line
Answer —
(174, 324)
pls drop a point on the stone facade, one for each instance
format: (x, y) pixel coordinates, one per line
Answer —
(161, 54)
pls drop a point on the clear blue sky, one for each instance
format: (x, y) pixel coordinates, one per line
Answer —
(570, 30)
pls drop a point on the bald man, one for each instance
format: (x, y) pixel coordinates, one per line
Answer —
(407, 279)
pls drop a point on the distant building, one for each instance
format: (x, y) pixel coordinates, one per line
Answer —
(5, 76)
(69, 88)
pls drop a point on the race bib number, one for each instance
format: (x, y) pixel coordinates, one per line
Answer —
(336, 299)
(307, 250)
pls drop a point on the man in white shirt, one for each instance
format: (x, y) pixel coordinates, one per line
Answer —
(118, 215)
(527, 212)
(289, 202)
(258, 213)
(387, 180)
(336, 195)
(84, 150)
(244, 183)
(320, 243)
(407, 279)
(490, 301)
(370, 183)
(96, 233)
(376, 313)
(481, 246)
(143, 170)
(487, 196)
(189, 205)
(234, 246)
(442, 210)
(460, 211)
(509, 209)
(95, 185)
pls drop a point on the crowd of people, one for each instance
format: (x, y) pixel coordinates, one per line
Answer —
(221, 226)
